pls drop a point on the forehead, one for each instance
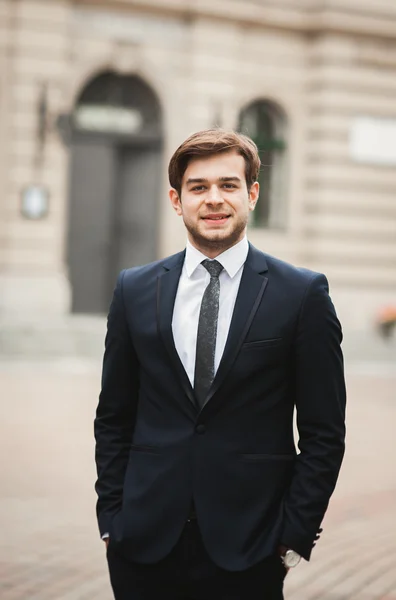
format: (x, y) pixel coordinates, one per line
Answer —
(223, 164)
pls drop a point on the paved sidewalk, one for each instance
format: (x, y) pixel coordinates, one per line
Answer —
(50, 550)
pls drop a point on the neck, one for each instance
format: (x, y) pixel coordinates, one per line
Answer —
(212, 249)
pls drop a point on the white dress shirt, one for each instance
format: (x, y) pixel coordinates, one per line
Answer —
(193, 281)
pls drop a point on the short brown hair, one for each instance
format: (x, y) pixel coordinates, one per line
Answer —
(214, 141)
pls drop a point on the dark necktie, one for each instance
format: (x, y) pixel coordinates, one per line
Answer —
(207, 333)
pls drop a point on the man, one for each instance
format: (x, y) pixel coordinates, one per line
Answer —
(202, 495)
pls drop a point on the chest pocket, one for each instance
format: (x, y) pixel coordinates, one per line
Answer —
(267, 343)
(263, 352)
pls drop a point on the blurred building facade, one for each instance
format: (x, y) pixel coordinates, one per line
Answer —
(95, 96)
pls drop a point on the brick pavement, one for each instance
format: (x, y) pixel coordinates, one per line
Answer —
(49, 548)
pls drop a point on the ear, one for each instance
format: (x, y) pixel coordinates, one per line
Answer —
(175, 201)
(253, 195)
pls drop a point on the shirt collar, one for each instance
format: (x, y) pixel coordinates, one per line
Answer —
(231, 260)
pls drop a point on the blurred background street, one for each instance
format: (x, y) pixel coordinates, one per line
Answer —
(95, 95)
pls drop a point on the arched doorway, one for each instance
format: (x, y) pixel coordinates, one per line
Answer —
(116, 149)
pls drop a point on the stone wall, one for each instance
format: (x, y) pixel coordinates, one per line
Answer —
(349, 209)
(205, 61)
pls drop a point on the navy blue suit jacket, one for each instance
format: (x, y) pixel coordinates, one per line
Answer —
(236, 458)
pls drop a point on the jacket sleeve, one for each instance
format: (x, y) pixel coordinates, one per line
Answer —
(320, 406)
(116, 411)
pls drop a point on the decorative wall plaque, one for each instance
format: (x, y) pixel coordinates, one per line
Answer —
(372, 140)
(34, 202)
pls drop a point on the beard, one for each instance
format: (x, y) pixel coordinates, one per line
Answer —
(216, 240)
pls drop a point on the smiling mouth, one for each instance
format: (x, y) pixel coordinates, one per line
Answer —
(216, 217)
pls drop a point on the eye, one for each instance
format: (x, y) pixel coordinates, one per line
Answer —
(229, 186)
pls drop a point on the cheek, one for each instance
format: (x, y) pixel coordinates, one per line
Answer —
(189, 209)
(242, 207)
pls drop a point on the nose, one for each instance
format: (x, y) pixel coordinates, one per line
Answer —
(214, 196)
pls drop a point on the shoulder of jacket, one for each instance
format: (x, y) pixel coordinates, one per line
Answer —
(302, 274)
(150, 269)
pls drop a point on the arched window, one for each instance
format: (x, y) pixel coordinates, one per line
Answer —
(266, 124)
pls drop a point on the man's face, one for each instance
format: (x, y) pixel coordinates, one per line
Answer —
(215, 202)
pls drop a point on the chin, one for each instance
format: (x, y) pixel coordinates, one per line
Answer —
(221, 232)
(215, 238)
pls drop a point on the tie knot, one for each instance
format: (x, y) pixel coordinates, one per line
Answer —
(213, 267)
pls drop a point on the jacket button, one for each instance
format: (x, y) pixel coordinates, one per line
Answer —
(200, 429)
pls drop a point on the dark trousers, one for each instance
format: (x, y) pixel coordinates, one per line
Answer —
(188, 573)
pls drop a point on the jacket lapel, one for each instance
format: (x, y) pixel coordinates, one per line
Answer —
(167, 285)
(251, 289)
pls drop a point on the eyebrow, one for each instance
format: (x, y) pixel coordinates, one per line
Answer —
(203, 180)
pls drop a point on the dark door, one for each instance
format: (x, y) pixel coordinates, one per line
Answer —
(136, 207)
(113, 216)
(90, 217)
